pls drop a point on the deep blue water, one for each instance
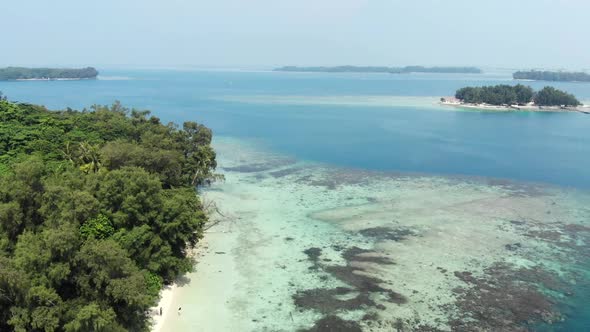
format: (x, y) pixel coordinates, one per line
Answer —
(540, 147)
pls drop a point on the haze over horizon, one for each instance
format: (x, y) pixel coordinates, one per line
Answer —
(267, 33)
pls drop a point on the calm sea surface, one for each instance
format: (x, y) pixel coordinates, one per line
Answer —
(350, 119)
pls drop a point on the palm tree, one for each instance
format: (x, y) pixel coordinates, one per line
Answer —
(69, 153)
(89, 157)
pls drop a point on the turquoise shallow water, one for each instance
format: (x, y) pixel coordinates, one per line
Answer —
(384, 123)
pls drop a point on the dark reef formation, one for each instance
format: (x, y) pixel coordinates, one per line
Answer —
(388, 233)
(360, 293)
(506, 298)
(334, 323)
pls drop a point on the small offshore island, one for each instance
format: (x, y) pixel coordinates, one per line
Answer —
(46, 74)
(553, 76)
(387, 70)
(519, 97)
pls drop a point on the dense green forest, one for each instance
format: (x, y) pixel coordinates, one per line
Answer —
(515, 95)
(552, 76)
(21, 73)
(390, 70)
(98, 209)
(550, 96)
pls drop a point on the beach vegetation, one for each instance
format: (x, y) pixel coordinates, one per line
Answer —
(515, 95)
(495, 95)
(98, 210)
(550, 96)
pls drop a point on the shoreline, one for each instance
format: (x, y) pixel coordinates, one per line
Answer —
(527, 108)
(167, 294)
(206, 253)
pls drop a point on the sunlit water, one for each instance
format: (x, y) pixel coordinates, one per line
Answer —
(358, 196)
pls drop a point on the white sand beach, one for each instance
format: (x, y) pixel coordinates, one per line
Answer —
(527, 108)
(166, 296)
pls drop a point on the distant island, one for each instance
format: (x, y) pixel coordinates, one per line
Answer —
(388, 70)
(22, 73)
(518, 97)
(554, 76)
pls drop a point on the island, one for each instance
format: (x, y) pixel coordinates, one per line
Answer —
(30, 74)
(98, 211)
(517, 97)
(554, 76)
(387, 70)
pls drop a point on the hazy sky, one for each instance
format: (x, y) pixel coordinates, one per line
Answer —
(514, 33)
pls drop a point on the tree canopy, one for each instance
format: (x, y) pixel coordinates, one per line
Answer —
(512, 95)
(97, 211)
(556, 76)
(22, 73)
(496, 95)
(550, 96)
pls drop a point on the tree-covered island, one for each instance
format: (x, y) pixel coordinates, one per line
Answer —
(388, 70)
(555, 76)
(98, 209)
(512, 96)
(22, 73)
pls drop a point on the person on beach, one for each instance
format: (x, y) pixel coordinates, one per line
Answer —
(160, 311)
(179, 308)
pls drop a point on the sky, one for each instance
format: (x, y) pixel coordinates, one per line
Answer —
(265, 33)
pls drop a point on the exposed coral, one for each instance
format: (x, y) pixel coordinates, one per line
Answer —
(505, 298)
(388, 233)
(361, 288)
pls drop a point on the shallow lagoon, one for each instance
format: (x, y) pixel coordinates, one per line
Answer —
(304, 243)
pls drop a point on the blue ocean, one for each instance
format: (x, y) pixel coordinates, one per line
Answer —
(300, 114)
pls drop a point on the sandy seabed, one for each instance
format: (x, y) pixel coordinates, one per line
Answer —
(309, 247)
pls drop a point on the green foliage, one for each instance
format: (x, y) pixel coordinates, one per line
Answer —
(89, 158)
(21, 73)
(550, 96)
(97, 211)
(495, 95)
(98, 228)
(524, 94)
(556, 76)
(154, 283)
(91, 317)
(518, 94)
